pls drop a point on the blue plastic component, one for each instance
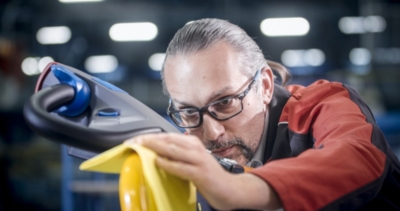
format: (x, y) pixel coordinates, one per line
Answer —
(108, 85)
(108, 112)
(81, 88)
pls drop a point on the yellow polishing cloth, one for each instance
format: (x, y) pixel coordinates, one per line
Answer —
(169, 192)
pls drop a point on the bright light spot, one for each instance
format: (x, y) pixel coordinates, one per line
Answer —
(293, 58)
(101, 64)
(78, 1)
(53, 35)
(43, 62)
(145, 31)
(156, 61)
(374, 24)
(34, 66)
(30, 66)
(127, 199)
(299, 58)
(314, 57)
(351, 25)
(360, 56)
(360, 25)
(284, 27)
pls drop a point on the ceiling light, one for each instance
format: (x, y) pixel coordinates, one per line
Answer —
(156, 61)
(34, 66)
(30, 66)
(273, 27)
(293, 58)
(314, 57)
(101, 64)
(301, 58)
(78, 1)
(360, 56)
(144, 31)
(351, 25)
(374, 24)
(53, 35)
(361, 25)
(43, 62)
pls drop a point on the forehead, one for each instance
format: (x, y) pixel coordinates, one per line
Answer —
(197, 77)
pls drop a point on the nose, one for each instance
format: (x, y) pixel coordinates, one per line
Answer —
(212, 128)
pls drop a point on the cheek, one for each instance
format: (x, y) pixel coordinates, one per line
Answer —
(246, 127)
(254, 105)
(250, 123)
(250, 114)
(251, 130)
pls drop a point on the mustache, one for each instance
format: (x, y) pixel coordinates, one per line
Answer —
(248, 153)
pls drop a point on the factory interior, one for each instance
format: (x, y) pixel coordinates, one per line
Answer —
(356, 42)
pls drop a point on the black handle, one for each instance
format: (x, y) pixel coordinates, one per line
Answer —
(37, 113)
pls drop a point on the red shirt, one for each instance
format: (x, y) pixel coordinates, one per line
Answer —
(326, 152)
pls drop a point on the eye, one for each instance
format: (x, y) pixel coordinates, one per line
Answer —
(225, 102)
(188, 112)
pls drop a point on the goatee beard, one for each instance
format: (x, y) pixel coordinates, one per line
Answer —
(247, 152)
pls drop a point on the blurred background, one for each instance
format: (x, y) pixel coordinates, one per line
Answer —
(352, 41)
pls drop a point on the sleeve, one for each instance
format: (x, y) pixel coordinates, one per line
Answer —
(343, 170)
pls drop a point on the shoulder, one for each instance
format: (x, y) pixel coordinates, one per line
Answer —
(318, 89)
(307, 101)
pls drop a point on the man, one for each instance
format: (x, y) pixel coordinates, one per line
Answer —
(320, 144)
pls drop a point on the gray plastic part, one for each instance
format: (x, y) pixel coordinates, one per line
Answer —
(89, 133)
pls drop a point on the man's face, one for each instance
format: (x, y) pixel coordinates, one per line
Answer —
(196, 79)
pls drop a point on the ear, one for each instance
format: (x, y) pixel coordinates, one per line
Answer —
(267, 84)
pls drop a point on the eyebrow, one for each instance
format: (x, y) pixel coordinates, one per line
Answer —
(214, 95)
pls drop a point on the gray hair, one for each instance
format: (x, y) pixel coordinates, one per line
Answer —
(203, 33)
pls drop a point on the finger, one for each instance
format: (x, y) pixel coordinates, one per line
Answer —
(184, 141)
(182, 170)
(199, 174)
(174, 152)
(183, 148)
(151, 141)
(167, 146)
(180, 140)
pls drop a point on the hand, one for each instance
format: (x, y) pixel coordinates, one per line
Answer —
(186, 157)
(183, 156)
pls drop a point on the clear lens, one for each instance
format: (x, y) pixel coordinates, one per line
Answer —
(221, 110)
(187, 117)
(177, 118)
(225, 108)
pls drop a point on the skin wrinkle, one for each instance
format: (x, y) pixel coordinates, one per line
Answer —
(214, 95)
(247, 150)
(221, 65)
(218, 68)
